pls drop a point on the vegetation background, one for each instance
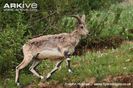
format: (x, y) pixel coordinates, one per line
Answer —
(101, 54)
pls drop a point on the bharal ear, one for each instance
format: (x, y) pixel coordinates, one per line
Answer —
(83, 18)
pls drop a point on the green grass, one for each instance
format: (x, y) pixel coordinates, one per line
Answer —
(98, 64)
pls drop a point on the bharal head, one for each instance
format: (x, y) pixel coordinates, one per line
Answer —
(81, 26)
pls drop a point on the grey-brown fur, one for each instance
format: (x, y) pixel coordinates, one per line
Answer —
(54, 47)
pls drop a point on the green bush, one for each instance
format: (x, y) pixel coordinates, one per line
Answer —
(11, 40)
(116, 21)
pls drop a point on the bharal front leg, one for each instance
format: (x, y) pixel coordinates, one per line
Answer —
(68, 61)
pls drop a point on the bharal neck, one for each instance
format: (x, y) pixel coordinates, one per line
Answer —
(75, 35)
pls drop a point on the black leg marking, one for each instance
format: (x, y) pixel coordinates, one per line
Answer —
(67, 54)
(68, 65)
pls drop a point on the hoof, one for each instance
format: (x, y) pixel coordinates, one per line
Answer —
(45, 80)
(41, 77)
(70, 71)
(48, 78)
(18, 84)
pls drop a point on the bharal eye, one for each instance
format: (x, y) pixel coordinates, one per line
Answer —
(81, 27)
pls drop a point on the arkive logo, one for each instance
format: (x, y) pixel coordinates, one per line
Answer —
(20, 6)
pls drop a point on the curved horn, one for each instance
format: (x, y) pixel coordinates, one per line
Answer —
(77, 18)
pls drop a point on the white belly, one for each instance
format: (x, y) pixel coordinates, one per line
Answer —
(50, 53)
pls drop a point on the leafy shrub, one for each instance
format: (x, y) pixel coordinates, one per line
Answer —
(11, 40)
(109, 23)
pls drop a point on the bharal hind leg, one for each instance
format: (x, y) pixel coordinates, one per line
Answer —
(23, 64)
(33, 66)
(54, 70)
